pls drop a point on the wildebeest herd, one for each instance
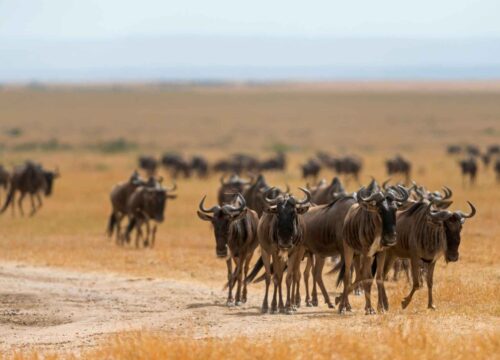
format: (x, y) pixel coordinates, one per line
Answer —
(471, 155)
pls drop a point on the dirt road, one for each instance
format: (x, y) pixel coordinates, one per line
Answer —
(67, 310)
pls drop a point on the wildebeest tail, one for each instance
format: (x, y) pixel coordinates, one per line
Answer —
(341, 267)
(258, 265)
(8, 200)
(111, 224)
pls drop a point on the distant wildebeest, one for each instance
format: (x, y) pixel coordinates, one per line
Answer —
(32, 179)
(325, 193)
(230, 188)
(254, 194)
(149, 164)
(199, 166)
(469, 169)
(311, 169)
(425, 234)
(454, 149)
(348, 166)
(486, 159)
(280, 233)
(235, 229)
(497, 169)
(399, 165)
(119, 197)
(4, 178)
(146, 204)
(369, 228)
(275, 163)
(177, 165)
(472, 150)
(493, 149)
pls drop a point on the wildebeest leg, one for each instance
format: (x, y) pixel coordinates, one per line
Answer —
(280, 268)
(289, 286)
(33, 206)
(358, 289)
(138, 234)
(239, 273)
(430, 279)
(230, 281)
(307, 271)
(20, 203)
(367, 279)
(344, 298)
(405, 264)
(383, 302)
(267, 265)
(13, 204)
(415, 272)
(397, 269)
(245, 273)
(153, 238)
(297, 300)
(148, 233)
(320, 263)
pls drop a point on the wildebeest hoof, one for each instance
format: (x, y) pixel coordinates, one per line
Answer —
(342, 310)
(370, 311)
(337, 300)
(314, 302)
(230, 303)
(289, 311)
(264, 310)
(331, 306)
(380, 310)
(238, 303)
(308, 303)
(294, 307)
(404, 304)
(431, 307)
(358, 292)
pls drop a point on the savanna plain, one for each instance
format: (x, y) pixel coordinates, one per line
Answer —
(67, 291)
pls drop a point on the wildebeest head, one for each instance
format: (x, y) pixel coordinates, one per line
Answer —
(287, 208)
(221, 218)
(49, 177)
(230, 187)
(156, 201)
(452, 223)
(385, 204)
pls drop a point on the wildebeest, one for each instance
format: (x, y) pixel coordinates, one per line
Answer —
(145, 204)
(280, 233)
(275, 163)
(235, 229)
(176, 164)
(149, 164)
(230, 188)
(199, 166)
(311, 169)
(399, 165)
(4, 178)
(32, 179)
(454, 149)
(472, 150)
(497, 169)
(325, 193)
(119, 196)
(425, 234)
(493, 149)
(369, 228)
(254, 194)
(348, 166)
(469, 168)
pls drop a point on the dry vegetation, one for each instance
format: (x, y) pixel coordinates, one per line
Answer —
(85, 125)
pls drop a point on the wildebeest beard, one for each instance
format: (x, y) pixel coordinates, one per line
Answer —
(286, 231)
(452, 229)
(49, 181)
(388, 214)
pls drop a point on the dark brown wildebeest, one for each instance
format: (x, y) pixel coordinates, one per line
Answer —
(255, 193)
(399, 165)
(454, 149)
(425, 234)
(230, 188)
(235, 228)
(349, 166)
(199, 166)
(119, 196)
(497, 169)
(311, 169)
(176, 164)
(145, 204)
(4, 178)
(469, 168)
(473, 150)
(149, 164)
(280, 233)
(493, 149)
(324, 193)
(275, 163)
(31, 179)
(369, 228)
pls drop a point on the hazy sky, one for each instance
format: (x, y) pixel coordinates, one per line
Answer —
(157, 39)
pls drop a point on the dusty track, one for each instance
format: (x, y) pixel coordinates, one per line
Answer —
(69, 310)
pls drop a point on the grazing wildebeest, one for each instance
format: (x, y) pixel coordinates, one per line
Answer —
(369, 228)
(120, 193)
(235, 228)
(454, 149)
(324, 194)
(254, 194)
(399, 165)
(473, 150)
(425, 235)
(199, 165)
(29, 178)
(280, 233)
(149, 164)
(176, 164)
(497, 169)
(469, 168)
(145, 204)
(311, 169)
(229, 188)
(275, 163)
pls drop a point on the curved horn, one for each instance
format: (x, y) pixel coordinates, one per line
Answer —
(202, 208)
(287, 188)
(469, 215)
(440, 215)
(306, 200)
(399, 193)
(240, 208)
(384, 184)
(377, 196)
(447, 192)
(270, 201)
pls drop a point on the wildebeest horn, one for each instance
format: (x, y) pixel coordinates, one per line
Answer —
(287, 188)
(384, 184)
(398, 190)
(242, 206)
(202, 208)
(471, 214)
(447, 192)
(306, 200)
(270, 201)
(376, 196)
(173, 188)
(439, 214)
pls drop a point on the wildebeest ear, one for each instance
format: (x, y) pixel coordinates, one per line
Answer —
(204, 216)
(171, 196)
(271, 209)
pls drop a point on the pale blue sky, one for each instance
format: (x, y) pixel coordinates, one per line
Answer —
(113, 40)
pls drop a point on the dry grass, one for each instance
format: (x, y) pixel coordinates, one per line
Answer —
(69, 231)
